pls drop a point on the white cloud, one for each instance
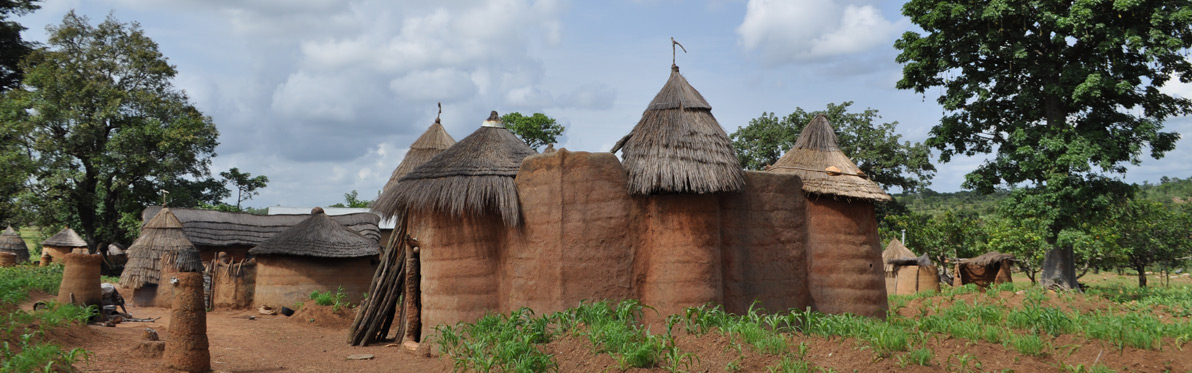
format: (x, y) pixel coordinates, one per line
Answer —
(786, 31)
(438, 84)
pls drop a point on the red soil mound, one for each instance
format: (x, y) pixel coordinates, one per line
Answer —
(324, 316)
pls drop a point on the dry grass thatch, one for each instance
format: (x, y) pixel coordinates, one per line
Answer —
(895, 250)
(992, 257)
(678, 147)
(475, 176)
(817, 159)
(160, 244)
(210, 230)
(11, 242)
(318, 236)
(432, 142)
(65, 238)
(922, 261)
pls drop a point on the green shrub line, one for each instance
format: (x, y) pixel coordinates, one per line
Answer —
(337, 300)
(21, 350)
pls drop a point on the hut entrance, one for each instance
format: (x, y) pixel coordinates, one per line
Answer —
(394, 293)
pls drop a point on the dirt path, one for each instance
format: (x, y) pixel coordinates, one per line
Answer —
(238, 344)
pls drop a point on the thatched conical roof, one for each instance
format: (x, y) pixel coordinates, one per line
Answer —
(824, 168)
(678, 147)
(432, 142)
(474, 176)
(65, 238)
(11, 242)
(318, 236)
(895, 250)
(160, 244)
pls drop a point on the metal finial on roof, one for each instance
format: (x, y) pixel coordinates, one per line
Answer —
(673, 52)
(163, 197)
(440, 112)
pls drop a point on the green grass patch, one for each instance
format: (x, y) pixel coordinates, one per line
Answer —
(337, 300)
(21, 351)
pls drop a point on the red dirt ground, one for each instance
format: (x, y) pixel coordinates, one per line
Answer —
(313, 340)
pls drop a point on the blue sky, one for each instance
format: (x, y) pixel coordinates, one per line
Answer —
(325, 96)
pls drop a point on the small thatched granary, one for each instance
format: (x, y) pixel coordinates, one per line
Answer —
(432, 142)
(845, 262)
(161, 250)
(11, 242)
(317, 254)
(65, 242)
(906, 273)
(235, 233)
(989, 268)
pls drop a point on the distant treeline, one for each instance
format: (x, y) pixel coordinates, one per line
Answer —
(1169, 190)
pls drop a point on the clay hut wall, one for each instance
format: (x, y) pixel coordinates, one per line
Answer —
(7, 259)
(232, 284)
(80, 280)
(576, 233)
(282, 280)
(678, 261)
(845, 272)
(459, 263)
(764, 232)
(58, 253)
(911, 279)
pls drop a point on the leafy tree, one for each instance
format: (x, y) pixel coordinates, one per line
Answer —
(875, 148)
(1150, 233)
(12, 48)
(246, 185)
(1063, 91)
(103, 128)
(536, 130)
(352, 199)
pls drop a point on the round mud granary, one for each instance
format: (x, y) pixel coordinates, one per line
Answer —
(65, 242)
(80, 280)
(11, 242)
(187, 348)
(317, 254)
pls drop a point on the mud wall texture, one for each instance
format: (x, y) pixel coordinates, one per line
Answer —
(845, 273)
(583, 237)
(282, 280)
(913, 279)
(233, 284)
(80, 280)
(58, 253)
(187, 348)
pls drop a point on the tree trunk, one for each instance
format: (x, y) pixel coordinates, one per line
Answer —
(1141, 275)
(1059, 269)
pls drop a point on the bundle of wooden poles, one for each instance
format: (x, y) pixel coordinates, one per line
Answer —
(395, 282)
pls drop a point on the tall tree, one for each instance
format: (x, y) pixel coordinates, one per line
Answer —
(352, 199)
(246, 185)
(104, 128)
(12, 48)
(1064, 92)
(536, 130)
(876, 148)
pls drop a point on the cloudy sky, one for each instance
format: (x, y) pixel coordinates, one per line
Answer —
(325, 96)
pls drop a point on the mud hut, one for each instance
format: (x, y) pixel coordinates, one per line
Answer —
(679, 157)
(989, 268)
(432, 142)
(845, 261)
(235, 233)
(160, 250)
(906, 273)
(316, 254)
(65, 242)
(11, 242)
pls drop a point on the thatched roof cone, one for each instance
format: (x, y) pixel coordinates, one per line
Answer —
(11, 242)
(817, 159)
(678, 147)
(65, 238)
(475, 176)
(895, 250)
(161, 240)
(318, 236)
(432, 142)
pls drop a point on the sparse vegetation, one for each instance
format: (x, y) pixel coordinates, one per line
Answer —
(21, 348)
(337, 300)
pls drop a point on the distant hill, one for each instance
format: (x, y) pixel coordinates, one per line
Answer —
(1169, 190)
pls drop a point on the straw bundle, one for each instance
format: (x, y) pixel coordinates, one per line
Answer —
(11, 242)
(432, 142)
(65, 238)
(161, 240)
(473, 177)
(824, 168)
(895, 250)
(318, 236)
(678, 147)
